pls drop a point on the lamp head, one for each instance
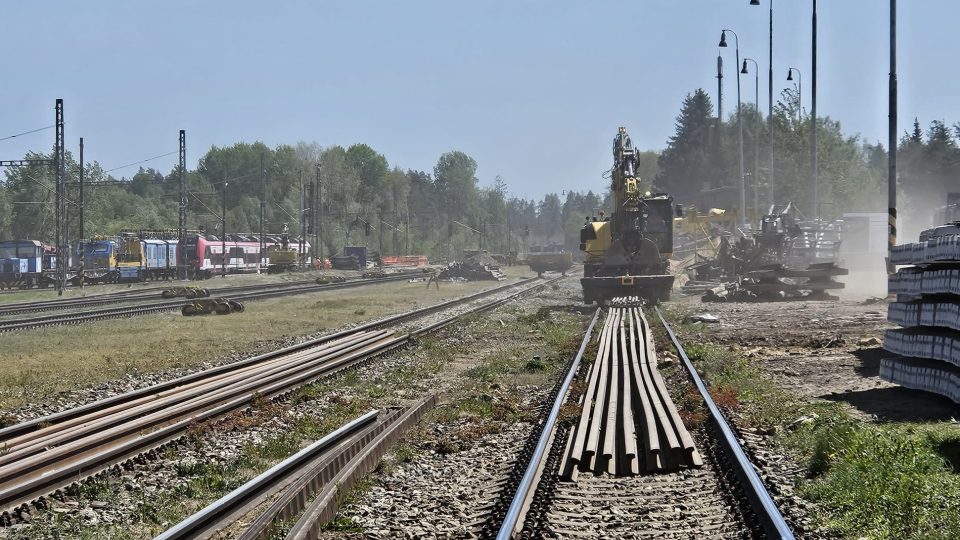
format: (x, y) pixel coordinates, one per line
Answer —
(790, 75)
(723, 39)
(744, 68)
(754, 2)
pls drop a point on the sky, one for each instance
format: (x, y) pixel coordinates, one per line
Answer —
(534, 90)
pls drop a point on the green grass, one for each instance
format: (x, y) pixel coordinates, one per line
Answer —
(41, 363)
(868, 480)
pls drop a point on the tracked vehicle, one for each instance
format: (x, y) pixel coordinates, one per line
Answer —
(628, 253)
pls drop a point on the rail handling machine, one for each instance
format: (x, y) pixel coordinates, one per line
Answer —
(628, 254)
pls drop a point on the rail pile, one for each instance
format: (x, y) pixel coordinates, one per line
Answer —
(42, 455)
(928, 310)
(533, 495)
(628, 424)
(309, 484)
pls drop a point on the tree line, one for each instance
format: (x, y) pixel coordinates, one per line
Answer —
(443, 211)
(364, 201)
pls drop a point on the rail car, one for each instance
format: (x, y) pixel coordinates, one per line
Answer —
(26, 263)
(95, 261)
(140, 259)
(205, 253)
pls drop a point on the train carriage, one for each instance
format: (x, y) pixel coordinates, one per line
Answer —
(26, 263)
(205, 253)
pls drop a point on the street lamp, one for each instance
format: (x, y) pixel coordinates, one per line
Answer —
(756, 136)
(770, 97)
(743, 193)
(799, 88)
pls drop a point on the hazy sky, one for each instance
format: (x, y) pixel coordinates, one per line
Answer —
(533, 90)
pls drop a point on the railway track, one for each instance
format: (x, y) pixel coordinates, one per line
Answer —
(7, 310)
(308, 484)
(46, 454)
(171, 305)
(623, 465)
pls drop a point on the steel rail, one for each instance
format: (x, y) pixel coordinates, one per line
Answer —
(763, 504)
(527, 485)
(69, 414)
(91, 453)
(327, 501)
(159, 307)
(206, 522)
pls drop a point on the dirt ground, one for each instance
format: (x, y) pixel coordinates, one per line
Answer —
(824, 350)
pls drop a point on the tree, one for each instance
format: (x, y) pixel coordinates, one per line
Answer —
(692, 159)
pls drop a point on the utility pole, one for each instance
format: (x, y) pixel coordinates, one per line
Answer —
(82, 232)
(263, 204)
(182, 222)
(813, 124)
(223, 232)
(319, 213)
(303, 222)
(892, 141)
(770, 124)
(719, 89)
(59, 160)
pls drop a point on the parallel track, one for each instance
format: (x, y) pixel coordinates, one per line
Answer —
(322, 472)
(724, 497)
(46, 454)
(171, 305)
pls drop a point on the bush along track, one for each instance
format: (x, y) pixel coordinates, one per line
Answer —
(836, 474)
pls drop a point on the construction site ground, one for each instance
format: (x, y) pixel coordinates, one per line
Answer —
(824, 350)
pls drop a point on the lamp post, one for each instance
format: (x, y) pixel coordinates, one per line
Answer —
(756, 136)
(223, 232)
(799, 88)
(770, 98)
(743, 193)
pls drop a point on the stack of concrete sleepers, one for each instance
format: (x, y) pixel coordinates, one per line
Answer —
(928, 310)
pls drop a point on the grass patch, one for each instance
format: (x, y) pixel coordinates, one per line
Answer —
(75, 357)
(885, 481)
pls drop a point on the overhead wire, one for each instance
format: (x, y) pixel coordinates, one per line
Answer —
(15, 135)
(141, 161)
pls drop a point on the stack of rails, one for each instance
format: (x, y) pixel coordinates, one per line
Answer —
(309, 484)
(928, 309)
(40, 456)
(40, 461)
(628, 424)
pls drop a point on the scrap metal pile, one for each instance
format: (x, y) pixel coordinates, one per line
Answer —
(480, 267)
(785, 259)
(628, 424)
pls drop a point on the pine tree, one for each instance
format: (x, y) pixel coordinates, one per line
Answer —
(692, 159)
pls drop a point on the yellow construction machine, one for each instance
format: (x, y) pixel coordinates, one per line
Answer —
(628, 253)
